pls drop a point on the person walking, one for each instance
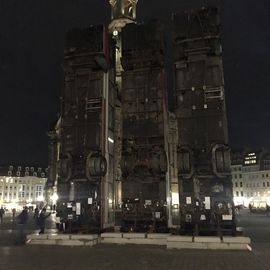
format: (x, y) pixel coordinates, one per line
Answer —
(36, 211)
(42, 220)
(2, 213)
(13, 214)
(23, 218)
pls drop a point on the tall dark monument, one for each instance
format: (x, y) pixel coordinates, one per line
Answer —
(85, 131)
(203, 154)
(118, 156)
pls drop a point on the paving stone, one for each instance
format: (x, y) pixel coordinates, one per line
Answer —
(207, 239)
(112, 235)
(134, 235)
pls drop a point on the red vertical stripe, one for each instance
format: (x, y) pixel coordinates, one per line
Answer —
(106, 43)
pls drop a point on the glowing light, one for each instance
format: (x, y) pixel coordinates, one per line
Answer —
(13, 205)
(110, 140)
(175, 198)
(54, 198)
(40, 198)
(115, 33)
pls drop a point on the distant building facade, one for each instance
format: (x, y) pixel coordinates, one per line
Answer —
(22, 185)
(251, 177)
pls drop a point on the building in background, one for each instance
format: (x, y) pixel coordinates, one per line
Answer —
(21, 186)
(251, 177)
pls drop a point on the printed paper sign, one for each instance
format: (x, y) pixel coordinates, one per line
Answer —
(69, 205)
(90, 200)
(148, 202)
(207, 203)
(188, 200)
(226, 217)
(202, 217)
(78, 208)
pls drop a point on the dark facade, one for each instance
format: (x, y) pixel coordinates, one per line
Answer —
(203, 155)
(83, 139)
(144, 110)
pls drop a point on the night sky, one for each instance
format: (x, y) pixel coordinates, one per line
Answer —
(32, 36)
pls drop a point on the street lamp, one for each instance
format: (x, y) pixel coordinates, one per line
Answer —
(54, 198)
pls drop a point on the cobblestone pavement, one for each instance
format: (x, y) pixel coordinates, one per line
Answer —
(129, 257)
(133, 257)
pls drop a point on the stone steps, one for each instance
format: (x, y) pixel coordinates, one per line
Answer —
(167, 240)
(208, 242)
(63, 239)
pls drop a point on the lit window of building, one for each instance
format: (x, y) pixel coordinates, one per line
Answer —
(21, 186)
(255, 170)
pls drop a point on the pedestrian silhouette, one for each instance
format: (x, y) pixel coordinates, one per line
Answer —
(2, 213)
(22, 218)
(41, 220)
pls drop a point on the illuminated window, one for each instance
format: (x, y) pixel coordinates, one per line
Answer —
(39, 190)
(250, 159)
(22, 192)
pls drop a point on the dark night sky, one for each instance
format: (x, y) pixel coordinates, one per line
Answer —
(31, 51)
